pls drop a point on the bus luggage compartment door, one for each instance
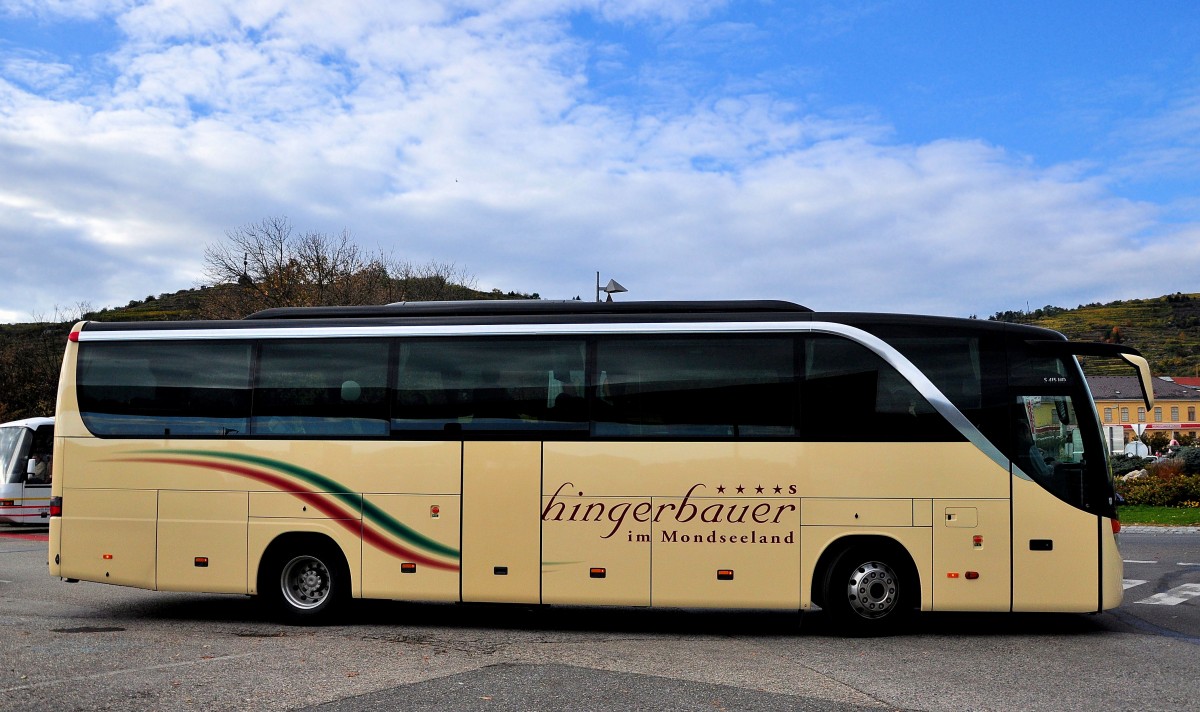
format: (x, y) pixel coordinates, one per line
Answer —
(501, 529)
(971, 556)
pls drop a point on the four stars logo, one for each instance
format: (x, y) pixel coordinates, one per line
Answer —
(758, 489)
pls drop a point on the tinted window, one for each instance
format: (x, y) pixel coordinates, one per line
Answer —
(330, 387)
(490, 385)
(851, 394)
(970, 369)
(160, 388)
(703, 386)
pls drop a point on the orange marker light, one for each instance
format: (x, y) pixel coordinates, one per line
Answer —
(952, 574)
(106, 557)
(598, 572)
(724, 574)
(202, 561)
(408, 568)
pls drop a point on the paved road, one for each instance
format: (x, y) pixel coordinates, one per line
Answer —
(1162, 583)
(90, 647)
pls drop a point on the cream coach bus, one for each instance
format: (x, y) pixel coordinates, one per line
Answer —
(698, 454)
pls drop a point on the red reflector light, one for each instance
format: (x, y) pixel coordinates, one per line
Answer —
(408, 568)
(7, 502)
(598, 572)
(1116, 526)
(724, 574)
(434, 511)
(73, 337)
(972, 575)
(56, 506)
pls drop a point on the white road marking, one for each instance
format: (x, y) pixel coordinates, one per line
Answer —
(1185, 563)
(1130, 583)
(1135, 561)
(1175, 596)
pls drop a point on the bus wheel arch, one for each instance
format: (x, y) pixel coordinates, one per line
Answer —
(868, 584)
(304, 578)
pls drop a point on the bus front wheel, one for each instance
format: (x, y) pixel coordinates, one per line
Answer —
(306, 585)
(870, 590)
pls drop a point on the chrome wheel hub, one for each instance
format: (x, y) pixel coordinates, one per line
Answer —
(872, 590)
(305, 582)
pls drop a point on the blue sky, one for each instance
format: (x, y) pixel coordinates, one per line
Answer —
(937, 157)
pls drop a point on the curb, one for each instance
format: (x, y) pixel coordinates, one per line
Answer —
(1153, 529)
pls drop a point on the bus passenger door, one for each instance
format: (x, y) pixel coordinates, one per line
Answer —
(1055, 542)
(1055, 555)
(501, 528)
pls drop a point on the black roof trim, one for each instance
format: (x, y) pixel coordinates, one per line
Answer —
(528, 307)
(870, 321)
(1084, 348)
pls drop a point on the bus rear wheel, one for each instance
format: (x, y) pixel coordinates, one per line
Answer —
(870, 591)
(306, 585)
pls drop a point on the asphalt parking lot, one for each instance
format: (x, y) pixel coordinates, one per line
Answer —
(90, 647)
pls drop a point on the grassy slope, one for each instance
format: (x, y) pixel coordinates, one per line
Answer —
(1165, 329)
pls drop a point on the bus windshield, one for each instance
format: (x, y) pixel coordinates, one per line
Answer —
(14, 449)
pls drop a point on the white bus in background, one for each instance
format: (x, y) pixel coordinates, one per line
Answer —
(25, 449)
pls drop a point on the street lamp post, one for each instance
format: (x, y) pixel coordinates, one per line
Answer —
(611, 288)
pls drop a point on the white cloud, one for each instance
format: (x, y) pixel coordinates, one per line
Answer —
(466, 132)
(64, 9)
(45, 77)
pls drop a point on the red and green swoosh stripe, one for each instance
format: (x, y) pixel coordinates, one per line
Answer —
(335, 500)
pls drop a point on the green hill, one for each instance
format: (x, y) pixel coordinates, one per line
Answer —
(1165, 329)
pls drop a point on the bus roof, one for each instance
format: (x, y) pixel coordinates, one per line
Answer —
(31, 423)
(538, 311)
(530, 307)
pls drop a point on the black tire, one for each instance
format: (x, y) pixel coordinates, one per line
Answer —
(306, 584)
(870, 590)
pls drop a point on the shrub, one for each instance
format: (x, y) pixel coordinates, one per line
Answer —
(1166, 486)
(1190, 457)
(1122, 465)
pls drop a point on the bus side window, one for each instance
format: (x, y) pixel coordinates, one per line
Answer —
(489, 385)
(318, 387)
(845, 382)
(148, 389)
(695, 387)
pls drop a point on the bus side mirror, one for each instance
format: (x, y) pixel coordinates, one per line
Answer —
(30, 466)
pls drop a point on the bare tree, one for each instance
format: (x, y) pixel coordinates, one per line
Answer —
(264, 265)
(432, 281)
